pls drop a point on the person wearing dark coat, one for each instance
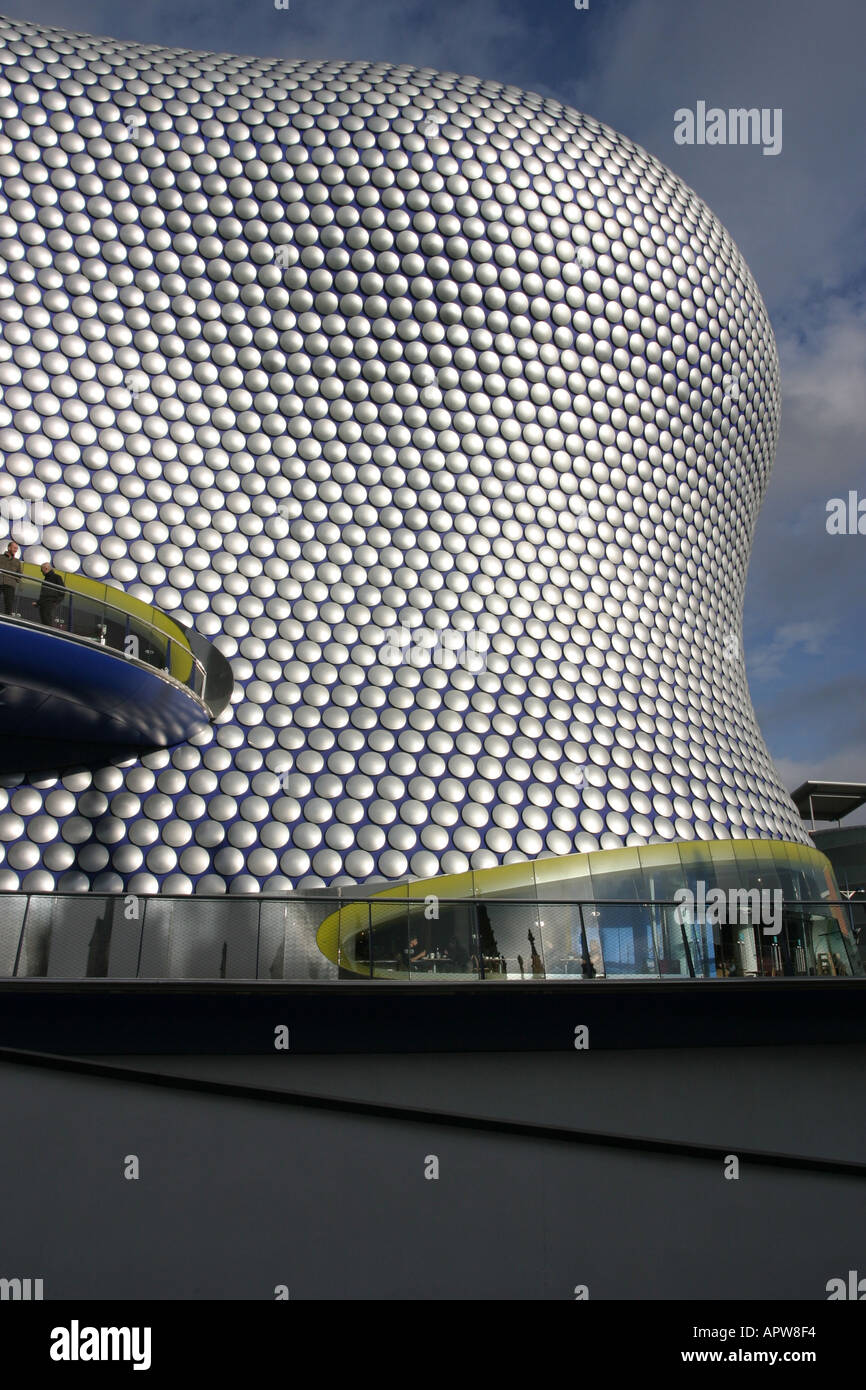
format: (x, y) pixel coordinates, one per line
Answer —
(10, 576)
(50, 594)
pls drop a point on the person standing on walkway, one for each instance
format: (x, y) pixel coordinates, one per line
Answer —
(50, 593)
(10, 576)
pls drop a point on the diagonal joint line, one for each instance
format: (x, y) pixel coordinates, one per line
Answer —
(527, 1129)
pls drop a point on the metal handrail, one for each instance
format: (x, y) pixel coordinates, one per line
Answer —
(310, 899)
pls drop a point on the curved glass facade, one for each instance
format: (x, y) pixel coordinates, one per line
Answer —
(723, 909)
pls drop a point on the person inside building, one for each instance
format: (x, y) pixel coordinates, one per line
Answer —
(408, 959)
(457, 953)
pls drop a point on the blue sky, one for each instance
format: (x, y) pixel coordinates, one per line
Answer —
(799, 217)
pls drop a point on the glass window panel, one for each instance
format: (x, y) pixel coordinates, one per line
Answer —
(561, 946)
(625, 933)
(449, 941)
(791, 878)
(423, 929)
(301, 920)
(828, 946)
(509, 939)
(273, 935)
(698, 866)
(355, 945)
(662, 872)
(506, 881)
(616, 874)
(124, 948)
(796, 927)
(847, 944)
(214, 939)
(745, 950)
(732, 859)
(676, 930)
(696, 946)
(565, 879)
(12, 909)
(766, 875)
(390, 939)
(156, 937)
(80, 936)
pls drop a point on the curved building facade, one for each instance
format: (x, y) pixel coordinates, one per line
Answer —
(444, 411)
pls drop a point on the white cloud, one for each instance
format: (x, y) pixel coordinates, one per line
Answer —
(765, 660)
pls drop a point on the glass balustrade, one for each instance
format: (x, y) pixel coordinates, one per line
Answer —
(99, 617)
(413, 940)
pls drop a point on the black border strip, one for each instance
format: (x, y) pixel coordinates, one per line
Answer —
(110, 1018)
